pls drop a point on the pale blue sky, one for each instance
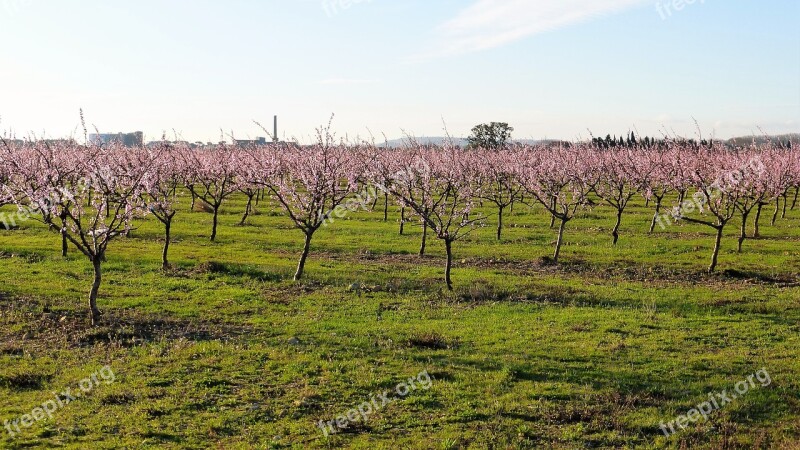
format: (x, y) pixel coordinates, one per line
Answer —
(551, 68)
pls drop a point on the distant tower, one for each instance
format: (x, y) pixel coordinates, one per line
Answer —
(275, 130)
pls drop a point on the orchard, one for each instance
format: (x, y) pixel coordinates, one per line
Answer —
(93, 196)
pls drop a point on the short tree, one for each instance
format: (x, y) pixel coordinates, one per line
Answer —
(94, 209)
(560, 180)
(436, 186)
(160, 189)
(496, 181)
(311, 184)
(620, 174)
(211, 176)
(36, 171)
(717, 176)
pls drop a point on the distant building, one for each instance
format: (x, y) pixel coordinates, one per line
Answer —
(135, 139)
(247, 143)
(156, 144)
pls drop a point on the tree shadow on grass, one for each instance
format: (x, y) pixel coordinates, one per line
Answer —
(31, 327)
(237, 270)
(24, 381)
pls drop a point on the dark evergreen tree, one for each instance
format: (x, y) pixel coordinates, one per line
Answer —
(491, 136)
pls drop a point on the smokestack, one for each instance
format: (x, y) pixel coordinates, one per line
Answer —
(275, 131)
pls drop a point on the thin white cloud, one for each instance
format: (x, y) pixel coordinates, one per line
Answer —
(488, 24)
(347, 81)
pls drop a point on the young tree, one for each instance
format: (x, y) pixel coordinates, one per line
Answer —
(212, 176)
(160, 188)
(250, 191)
(755, 189)
(6, 189)
(311, 184)
(716, 175)
(102, 202)
(36, 170)
(436, 186)
(795, 179)
(560, 181)
(495, 180)
(658, 184)
(782, 172)
(620, 175)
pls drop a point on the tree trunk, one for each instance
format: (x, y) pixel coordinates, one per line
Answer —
(785, 201)
(647, 203)
(385, 206)
(553, 217)
(777, 208)
(499, 222)
(717, 246)
(756, 230)
(194, 198)
(95, 313)
(560, 239)
(658, 213)
(796, 193)
(302, 264)
(402, 219)
(374, 204)
(424, 237)
(64, 246)
(615, 233)
(246, 210)
(448, 245)
(167, 238)
(214, 224)
(681, 198)
(743, 231)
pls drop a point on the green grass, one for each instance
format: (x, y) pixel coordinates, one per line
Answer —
(594, 353)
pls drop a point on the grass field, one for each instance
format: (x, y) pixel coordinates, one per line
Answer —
(226, 351)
